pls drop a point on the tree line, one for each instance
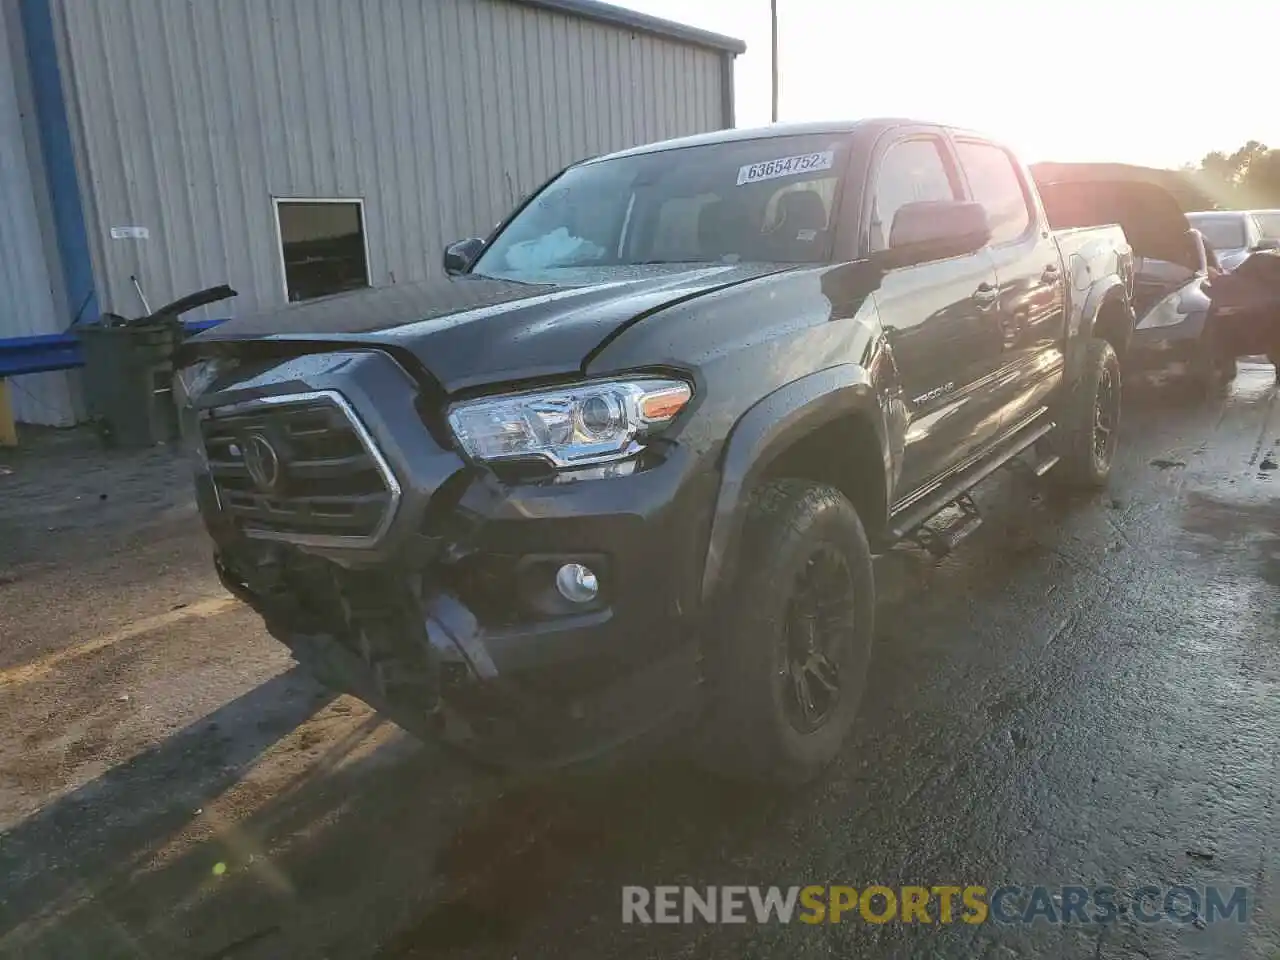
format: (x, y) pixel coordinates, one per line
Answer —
(1247, 179)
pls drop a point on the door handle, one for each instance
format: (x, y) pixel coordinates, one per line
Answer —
(1051, 273)
(986, 293)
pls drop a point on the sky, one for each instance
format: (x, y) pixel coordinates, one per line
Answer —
(1133, 81)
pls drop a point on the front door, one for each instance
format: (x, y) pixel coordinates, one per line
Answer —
(939, 319)
(1032, 290)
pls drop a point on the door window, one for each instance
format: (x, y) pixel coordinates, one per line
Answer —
(911, 171)
(996, 185)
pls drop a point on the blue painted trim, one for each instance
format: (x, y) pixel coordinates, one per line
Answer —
(58, 351)
(59, 159)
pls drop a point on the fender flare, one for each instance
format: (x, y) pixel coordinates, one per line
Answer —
(1099, 295)
(767, 429)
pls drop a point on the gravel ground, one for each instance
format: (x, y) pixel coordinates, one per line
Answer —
(1087, 691)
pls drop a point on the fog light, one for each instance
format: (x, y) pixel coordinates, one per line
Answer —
(577, 583)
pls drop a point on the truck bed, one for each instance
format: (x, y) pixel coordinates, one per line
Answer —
(1089, 252)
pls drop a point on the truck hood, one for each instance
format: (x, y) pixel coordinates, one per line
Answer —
(468, 331)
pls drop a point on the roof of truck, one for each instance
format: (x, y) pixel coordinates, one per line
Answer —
(775, 130)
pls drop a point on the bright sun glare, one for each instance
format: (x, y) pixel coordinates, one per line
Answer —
(1124, 80)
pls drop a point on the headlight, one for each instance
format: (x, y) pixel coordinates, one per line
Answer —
(569, 426)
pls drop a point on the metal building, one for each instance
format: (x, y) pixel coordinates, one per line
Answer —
(296, 149)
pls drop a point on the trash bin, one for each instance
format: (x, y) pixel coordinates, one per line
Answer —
(128, 380)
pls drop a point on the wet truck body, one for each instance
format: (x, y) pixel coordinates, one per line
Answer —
(568, 494)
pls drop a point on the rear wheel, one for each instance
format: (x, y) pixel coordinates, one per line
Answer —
(1089, 419)
(787, 661)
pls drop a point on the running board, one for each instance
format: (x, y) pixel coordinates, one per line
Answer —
(945, 529)
(949, 490)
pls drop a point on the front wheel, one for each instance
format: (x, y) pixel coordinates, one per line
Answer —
(1089, 420)
(787, 659)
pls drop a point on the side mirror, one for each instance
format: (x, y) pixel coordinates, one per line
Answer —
(929, 230)
(458, 257)
(1268, 244)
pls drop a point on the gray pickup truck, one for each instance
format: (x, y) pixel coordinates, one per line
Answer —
(622, 469)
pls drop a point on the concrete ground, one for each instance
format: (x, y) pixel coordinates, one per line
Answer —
(1086, 692)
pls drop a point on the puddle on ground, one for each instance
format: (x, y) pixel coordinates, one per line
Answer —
(1218, 527)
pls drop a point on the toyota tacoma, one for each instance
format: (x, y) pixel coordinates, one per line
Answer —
(621, 471)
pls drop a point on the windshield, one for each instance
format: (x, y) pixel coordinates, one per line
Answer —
(1221, 233)
(764, 200)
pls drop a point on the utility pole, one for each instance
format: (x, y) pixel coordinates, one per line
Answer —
(773, 11)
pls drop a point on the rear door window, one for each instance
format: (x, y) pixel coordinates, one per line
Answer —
(997, 185)
(1222, 233)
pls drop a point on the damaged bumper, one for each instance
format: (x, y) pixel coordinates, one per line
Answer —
(448, 620)
(1168, 348)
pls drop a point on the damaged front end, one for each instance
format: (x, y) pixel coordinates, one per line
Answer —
(394, 639)
(398, 572)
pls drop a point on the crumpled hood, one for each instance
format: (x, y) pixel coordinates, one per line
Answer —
(469, 330)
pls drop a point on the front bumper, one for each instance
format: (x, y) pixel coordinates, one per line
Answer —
(448, 624)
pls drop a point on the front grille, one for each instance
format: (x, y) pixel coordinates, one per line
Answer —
(327, 482)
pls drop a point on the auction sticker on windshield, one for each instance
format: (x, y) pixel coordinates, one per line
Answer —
(786, 167)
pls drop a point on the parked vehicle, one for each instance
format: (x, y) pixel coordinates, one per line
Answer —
(1174, 333)
(1234, 234)
(1245, 308)
(624, 470)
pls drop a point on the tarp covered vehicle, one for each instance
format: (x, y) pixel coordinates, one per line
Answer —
(1174, 329)
(1245, 308)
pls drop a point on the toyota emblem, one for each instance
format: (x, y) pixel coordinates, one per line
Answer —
(263, 462)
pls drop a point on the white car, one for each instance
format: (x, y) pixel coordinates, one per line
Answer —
(1234, 234)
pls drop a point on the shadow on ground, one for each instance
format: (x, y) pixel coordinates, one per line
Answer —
(91, 841)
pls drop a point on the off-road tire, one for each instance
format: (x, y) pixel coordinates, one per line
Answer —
(1083, 465)
(748, 732)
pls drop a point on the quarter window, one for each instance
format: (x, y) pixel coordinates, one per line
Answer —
(1268, 225)
(911, 171)
(996, 185)
(322, 245)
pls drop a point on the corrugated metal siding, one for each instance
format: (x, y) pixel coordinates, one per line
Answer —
(191, 115)
(28, 298)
